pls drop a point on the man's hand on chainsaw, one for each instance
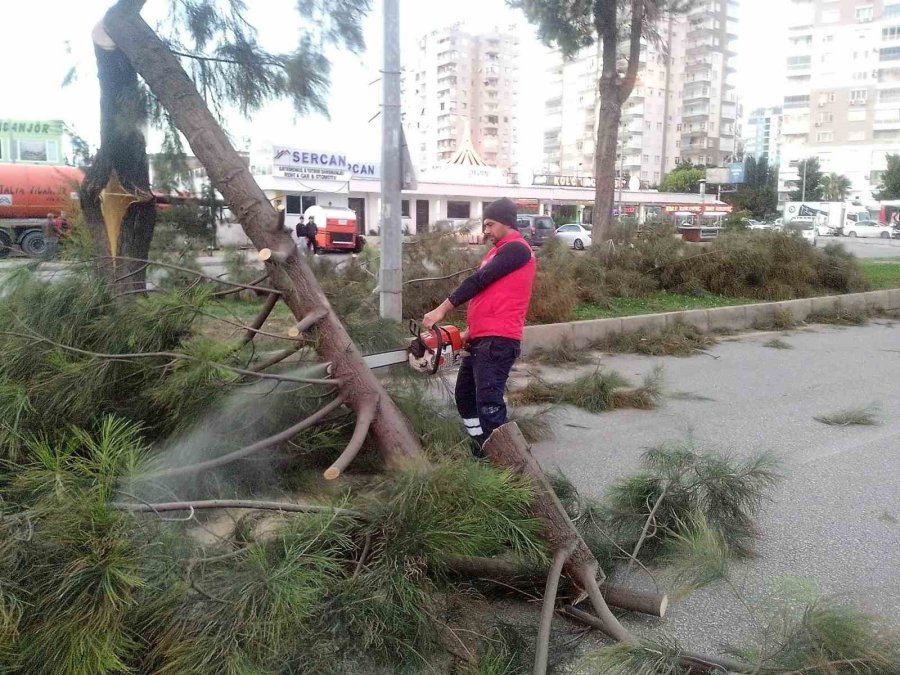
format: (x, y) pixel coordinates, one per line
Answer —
(437, 314)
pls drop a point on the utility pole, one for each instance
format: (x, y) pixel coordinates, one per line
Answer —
(391, 271)
(803, 189)
(622, 168)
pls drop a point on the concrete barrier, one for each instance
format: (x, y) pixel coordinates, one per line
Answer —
(698, 318)
(728, 318)
(587, 332)
(582, 333)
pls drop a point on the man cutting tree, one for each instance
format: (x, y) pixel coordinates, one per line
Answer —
(498, 295)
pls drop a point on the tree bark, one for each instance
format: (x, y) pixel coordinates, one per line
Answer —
(605, 161)
(288, 270)
(123, 150)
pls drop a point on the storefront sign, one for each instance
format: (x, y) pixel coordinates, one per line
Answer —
(626, 210)
(564, 181)
(698, 208)
(31, 127)
(320, 165)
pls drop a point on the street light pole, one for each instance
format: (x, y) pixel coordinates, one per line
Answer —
(391, 272)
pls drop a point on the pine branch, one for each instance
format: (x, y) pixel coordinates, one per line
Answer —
(201, 505)
(175, 355)
(363, 421)
(187, 270)
(550, 590)
(253, 448)
(254, 328)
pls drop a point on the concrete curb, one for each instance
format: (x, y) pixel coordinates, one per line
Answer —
(740, 317)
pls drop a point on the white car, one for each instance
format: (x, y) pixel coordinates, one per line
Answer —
(809, 232)
(574, 235)
(825, 230)
(868, 228)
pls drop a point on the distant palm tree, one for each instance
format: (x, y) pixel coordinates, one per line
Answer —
(835, 187)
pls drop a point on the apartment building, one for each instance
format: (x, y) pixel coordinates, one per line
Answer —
(842, 101)
(683, 107)
(762, 135)
(459, 82)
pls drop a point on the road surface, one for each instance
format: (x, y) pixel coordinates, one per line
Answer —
(835, 522)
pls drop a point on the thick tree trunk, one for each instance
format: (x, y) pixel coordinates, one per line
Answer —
(288, 270)
(605, 160)
(123, 150)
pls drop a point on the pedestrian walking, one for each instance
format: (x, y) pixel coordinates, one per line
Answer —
(498, 295)
(300, 230)
(311, 231)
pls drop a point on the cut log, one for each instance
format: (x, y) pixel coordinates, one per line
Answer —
(509, 571)
(508, 449)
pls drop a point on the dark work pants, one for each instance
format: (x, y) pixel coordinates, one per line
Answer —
(481, 384)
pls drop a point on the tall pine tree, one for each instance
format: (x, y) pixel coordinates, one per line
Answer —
(618, 26)
(219, 47)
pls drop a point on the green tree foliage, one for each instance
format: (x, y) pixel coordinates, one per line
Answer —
(684, 178)
(758, 193)
(835, 187)
(890, 181)
(811, 170)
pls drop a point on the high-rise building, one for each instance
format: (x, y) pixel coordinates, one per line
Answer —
(842, 101)
(460, 81)
(762, 135)
(683, 107)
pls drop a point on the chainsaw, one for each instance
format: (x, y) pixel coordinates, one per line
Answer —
(429, 352)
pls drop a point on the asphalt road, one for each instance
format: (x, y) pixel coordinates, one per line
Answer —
(868, 247)
(835, 521)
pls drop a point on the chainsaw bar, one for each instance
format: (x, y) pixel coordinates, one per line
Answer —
(385, 359)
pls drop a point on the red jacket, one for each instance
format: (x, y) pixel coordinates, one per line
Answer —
(499, 310)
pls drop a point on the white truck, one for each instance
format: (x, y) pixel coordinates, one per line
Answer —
(828, 218)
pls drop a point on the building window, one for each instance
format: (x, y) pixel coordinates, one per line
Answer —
(891, 10)
(796, 101)
(864, 13)
(891, 33)
(825, 137)
(889, 54)
(856, 116)
(858, 96)
(35, 151)
(856, 136)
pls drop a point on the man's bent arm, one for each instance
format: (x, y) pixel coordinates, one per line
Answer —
(511, 257)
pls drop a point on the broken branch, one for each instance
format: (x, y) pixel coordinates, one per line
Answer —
(363, 422)
(253, 329)
(550, 590)
(308, 322)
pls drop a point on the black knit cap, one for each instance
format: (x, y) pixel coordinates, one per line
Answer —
(502, 210)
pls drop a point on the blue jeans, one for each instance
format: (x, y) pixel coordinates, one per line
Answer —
(481, 384)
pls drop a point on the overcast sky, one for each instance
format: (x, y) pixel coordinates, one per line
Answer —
(41, 38)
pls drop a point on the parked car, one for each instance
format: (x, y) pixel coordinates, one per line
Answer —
(753, 224)
(824, 230)
(868, 228)
(535, 228)
(574, 235)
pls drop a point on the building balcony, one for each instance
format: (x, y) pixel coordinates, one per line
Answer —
(699, 114)
(690, 99)
(695, 65)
